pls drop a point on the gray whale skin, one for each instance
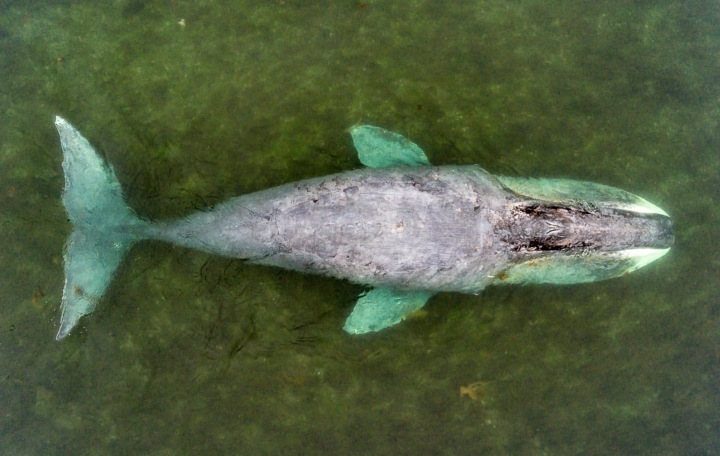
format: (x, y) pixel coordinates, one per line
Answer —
(400, 226)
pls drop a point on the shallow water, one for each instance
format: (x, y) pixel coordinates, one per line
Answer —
(194, 102)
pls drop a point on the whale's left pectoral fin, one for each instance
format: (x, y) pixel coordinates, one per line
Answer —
(383, 307)
(379, 148)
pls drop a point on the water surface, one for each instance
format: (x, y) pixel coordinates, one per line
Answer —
(197, 101)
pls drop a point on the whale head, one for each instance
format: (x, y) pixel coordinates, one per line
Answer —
(564, 231)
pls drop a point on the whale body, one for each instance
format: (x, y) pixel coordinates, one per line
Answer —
(400, 226)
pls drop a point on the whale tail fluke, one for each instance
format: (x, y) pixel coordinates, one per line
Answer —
(104, 227)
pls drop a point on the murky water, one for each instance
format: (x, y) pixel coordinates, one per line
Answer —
(197, 101)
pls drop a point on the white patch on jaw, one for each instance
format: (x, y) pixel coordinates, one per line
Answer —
(642, 206)
(642, 257)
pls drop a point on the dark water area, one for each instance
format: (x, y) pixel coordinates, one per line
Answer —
(197, 101)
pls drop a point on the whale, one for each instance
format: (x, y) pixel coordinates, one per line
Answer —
(399, 226)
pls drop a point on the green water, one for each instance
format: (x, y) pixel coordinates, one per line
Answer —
(197, 101)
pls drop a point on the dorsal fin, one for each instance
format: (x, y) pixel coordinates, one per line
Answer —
(379, 148)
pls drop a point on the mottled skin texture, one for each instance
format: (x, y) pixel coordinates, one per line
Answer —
(449, 228)
(428, 228)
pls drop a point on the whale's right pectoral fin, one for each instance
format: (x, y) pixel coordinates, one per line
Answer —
(383, 307)
(379, 148)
